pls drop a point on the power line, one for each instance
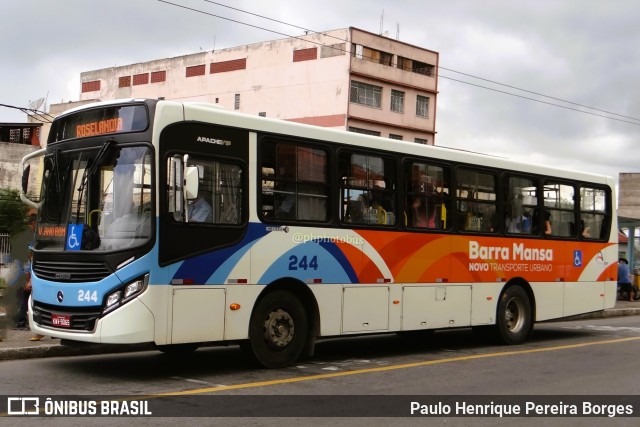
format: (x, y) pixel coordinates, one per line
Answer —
(439, 67)
(31, 112)
(542, 102)
(455, 71)
(538, 94)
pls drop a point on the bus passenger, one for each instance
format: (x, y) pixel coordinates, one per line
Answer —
(200, 210)
(422, 214)
(547, 223)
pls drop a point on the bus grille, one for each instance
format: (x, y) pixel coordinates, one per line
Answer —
(71, 272)
(81, 319)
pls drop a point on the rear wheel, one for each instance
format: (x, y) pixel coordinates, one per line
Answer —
(278, 330)
(514, 316)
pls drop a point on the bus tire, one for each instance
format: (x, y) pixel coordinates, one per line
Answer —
(278, 330)
(514, 317)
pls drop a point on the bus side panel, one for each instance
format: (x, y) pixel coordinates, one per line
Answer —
(208, 322)
(484, 302)
(549, 298)
(583, 297)
(329, 299)
(365, 309)
(436, 306)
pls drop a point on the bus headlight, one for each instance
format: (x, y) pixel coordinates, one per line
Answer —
(133, 288)
(113, 299)
(125, 293)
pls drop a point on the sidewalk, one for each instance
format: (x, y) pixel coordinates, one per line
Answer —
(16, 344)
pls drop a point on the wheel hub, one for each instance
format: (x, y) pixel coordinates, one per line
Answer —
(279, 328)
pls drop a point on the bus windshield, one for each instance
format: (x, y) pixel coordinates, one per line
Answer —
(96, 199)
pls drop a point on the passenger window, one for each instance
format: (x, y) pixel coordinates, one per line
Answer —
(217, 197)
(593, 213)
(559, 218)
(522, 206)
(476, 194)
(294, 182)
(427, 196)
(367, 189)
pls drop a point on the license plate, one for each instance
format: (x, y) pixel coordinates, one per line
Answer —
(61, 320)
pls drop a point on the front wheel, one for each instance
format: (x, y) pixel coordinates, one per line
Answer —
(278, 330)
(514, 316)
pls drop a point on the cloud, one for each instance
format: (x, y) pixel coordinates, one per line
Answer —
(575, 50)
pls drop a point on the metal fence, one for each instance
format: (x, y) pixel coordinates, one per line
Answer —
(5, 244)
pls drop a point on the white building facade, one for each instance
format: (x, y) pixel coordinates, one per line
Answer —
(347, 79)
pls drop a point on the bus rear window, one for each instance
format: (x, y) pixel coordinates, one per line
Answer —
(100, 121)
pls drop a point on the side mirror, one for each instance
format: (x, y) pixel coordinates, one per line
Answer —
(191, 182)
(25, 178)
(26, 169)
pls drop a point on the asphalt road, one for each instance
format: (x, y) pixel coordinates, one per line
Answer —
(587, 357)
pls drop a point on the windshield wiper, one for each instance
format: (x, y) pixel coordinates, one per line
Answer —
(91, 170)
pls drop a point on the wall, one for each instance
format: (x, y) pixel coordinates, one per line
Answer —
(10, 173)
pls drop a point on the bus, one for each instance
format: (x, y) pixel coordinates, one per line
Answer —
(182, 224)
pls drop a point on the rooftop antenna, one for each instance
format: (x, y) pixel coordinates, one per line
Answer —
(381, 21)
(35, 105)
(398, 31)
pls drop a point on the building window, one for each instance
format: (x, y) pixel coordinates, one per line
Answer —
(225, 66)
(91, 86)
(397, 101)
(372, 55)
(421, 141)
(236, 102)
(305, 54)
(196, 70)
(366, 94)
(124, 81)
(415, 66)
(422, 106)
(394, 136)
(158, 76)
(363, 131)
(140, 79)
(422, 68)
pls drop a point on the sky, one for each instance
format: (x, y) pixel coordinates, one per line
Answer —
(513, 73)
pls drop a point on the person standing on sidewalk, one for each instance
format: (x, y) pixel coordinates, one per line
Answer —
(624, 279)
(20, 284)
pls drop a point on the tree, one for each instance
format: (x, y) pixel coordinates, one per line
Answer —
(12, 212)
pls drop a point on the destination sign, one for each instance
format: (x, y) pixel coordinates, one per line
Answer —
(100, 121)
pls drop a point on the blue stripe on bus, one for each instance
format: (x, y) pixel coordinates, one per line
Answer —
(201, 268)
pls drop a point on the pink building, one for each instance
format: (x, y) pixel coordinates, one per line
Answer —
(347, 79)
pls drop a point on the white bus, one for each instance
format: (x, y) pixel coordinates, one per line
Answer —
(181, 223)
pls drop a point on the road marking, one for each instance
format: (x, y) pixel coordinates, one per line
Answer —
(605, 328)
(391, 368)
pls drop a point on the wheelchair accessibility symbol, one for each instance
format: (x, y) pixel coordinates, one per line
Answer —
(74, 237)
(577, 258)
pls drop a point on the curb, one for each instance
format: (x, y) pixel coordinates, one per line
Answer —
(66, 349)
